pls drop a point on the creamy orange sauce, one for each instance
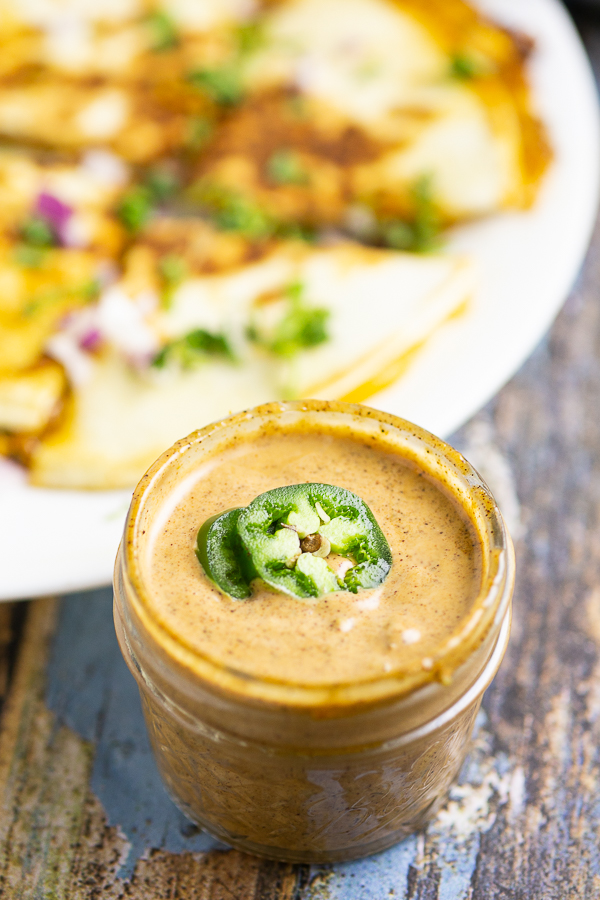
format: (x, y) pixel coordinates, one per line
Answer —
(342, 637)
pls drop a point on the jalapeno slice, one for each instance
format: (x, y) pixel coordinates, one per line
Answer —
(222, 556)
(284, 536)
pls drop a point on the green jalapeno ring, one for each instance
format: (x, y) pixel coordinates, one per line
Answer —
(351, 529)
(264, 540)
(220, 553)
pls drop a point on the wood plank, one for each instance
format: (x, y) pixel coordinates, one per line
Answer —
(54, 838)
(43, 772)
(7, 613)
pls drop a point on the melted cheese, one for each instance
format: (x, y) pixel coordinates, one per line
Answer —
(47, 13)
(382, 303)
(474, 169)
(203, 15)
(363, 56)
(374, 63)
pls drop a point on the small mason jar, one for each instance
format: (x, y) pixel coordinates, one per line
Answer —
(310, 773)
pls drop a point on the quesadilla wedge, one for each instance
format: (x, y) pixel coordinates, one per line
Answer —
(300, 321)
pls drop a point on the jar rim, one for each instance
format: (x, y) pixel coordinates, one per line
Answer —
(487, 610)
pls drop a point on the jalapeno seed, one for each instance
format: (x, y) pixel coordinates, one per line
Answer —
(311, 543)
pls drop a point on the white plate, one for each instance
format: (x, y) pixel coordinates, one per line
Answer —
(57, 541)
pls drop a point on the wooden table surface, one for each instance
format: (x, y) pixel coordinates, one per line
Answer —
(84, 815)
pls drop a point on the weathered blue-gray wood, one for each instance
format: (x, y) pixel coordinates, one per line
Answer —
(72, 736)
(92, 692)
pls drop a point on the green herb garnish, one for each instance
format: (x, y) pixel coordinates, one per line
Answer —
(135, 208)
(399, 235)
(163, 31)
(162, 184)
(36, 232)
(300, 328)
(223, 84)
(232, 211)
(298, 231)
(466, 66)
(172, 270)
(138, 203)
(239, 213)
(285, 167)
(189, 350)
(422, 234)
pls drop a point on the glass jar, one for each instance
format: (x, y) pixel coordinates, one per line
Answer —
(302, 772)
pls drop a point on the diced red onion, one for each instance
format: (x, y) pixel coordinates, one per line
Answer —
(91, 340)
(56, 213)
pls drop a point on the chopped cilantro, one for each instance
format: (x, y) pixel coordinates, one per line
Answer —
(426, 223)
(422, 234)
(188, 351)
(36, 232)
(296, 231)
(240, 214)
(464, 66)
(135, 208)
(222, 84)
(295, 291)
(163, 31)
(232, 211)
(399, 235)
(138, 202)
(162, 184)
(285, 167)
(300, 328)
(172, 270)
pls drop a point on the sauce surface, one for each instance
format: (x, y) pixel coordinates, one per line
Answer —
(341, 637)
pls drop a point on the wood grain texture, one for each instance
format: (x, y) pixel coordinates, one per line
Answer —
(54, 838)
(43, 771)
(544, 709)
(7, 611)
